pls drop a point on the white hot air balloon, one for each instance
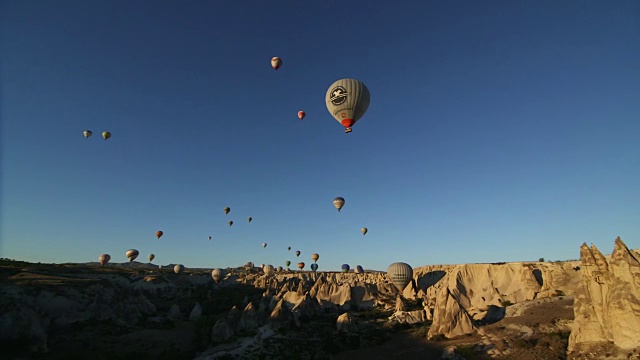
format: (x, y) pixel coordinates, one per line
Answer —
(87, 133)
(104, 259)
(268, 269)
(264, 245)
(132, 254)
(178, 269)
(347, 100)
(217, 275)
(400, 274)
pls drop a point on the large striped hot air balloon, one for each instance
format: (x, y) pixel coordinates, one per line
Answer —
(400, 274)
(338, 203)
(315, 257)
(347, 100)
(132, 254)
(314, 267)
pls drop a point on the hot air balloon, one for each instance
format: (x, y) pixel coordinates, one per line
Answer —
(226, 210)
(151, 257)
(298, 253)
(249, 219)
(230, 223)
(264, 245)
(338, 203)
(279, 268)
(132, 254)
(301, 114)
(359, 269)
(268, 270)
(209, 237)
(217, 275)
(315, 257)
(104, 259)
(276, 62)
(178, 269)
(159, 234)
(287, 263)
(301, 265)
(345, 268)
(106, 135)
(314, 267)
(87, 133)
(400, 274)
(364, 231)
(289, 248)
(347, 100)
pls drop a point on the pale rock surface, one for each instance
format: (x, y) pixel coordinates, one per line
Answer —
(408, 317)
(450, 319)
(196, 312)
(345, 323)
(607, 304)
(248, 319)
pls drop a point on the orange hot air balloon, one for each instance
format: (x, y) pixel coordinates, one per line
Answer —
(301, 265)
(159, 234)
(301, 114)
(276, 62)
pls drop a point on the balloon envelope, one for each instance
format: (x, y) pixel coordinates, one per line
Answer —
(400, 274)
(359, 269)
(87, 133)
(209, 237)
(217, 275)
(268, 269)
(151, 257)
(276, 62)
(104, 259)
(347, 100)
(132, 254)
(289, 248)
(178, 269)
(364, 231)
(159, 234)
(264, 245)
(300, 265)
(230, 223)
(279, 269)
(345, 267)
(287, 263)
(106, 135)
(338, 203)
(315, 257)
(226, 210)
(301, 114)
(249, 219)
(314, 267)
(298, 253)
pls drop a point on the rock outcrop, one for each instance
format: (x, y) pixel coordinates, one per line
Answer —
(607, 302)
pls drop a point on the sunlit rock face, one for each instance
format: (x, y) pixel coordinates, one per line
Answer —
(607, 302)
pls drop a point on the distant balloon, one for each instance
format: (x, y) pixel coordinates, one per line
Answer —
(359, 269)
(132, 254)
(279, 268)
(338, 203)
(289, 248)
(287, 263)
(347, 100)
(301, 265)
(298, 253)
(264, 245)
(217, 275)
(249, 219)
(178, 269)
(276, 62)
(159, 234)
(301, 114)
(106, 135)
(151, 257)
(345, 268)
(104, 259)
(226, 210)
(314, 267)
(230, 223)
(87, 133)
(268, 270)
(315, 257)
(400, 274)
(209, 237)
(364, 231)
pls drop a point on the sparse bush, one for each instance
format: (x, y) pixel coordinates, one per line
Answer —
(559, 293)
(506, 303)
(541, 259)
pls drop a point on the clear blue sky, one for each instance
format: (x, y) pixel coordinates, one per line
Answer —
(497, 131)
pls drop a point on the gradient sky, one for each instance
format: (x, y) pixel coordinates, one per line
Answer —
(497, 131)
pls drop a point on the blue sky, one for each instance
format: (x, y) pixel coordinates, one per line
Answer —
(497, 131)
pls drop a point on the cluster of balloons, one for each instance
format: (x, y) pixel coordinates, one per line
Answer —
(105, 134)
